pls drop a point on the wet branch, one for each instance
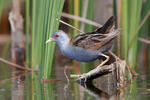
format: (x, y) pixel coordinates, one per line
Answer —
(97, 72)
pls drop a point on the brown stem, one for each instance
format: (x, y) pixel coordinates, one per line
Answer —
(118, 25)
(84, 20)
(144, 40)
(14, 65)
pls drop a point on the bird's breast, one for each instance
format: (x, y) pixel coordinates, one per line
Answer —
(80, 54)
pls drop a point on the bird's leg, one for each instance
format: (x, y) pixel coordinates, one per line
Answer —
(105, 61)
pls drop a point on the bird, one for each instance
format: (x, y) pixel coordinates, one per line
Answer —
(89, 46)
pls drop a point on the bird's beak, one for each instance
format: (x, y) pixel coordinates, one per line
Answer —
(50, 40)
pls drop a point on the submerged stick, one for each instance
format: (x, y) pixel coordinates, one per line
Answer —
(16, 65)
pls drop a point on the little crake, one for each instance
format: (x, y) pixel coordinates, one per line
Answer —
(89, 46)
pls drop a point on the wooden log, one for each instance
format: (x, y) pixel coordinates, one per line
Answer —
(97, 72)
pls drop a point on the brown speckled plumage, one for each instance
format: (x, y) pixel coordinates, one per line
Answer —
(97, 39)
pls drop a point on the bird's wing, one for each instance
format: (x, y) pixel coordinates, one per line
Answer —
(93, 41)
(97, 39)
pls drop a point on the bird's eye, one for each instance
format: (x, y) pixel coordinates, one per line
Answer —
(56, 35)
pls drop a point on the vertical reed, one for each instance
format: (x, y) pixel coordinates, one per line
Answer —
(45, 16)
(130, 18)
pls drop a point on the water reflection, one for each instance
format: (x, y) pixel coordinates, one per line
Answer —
(22, 87)
(17, 85)
(93, 91)
(56, 90)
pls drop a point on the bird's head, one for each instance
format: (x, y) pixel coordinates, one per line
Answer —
(59, 37)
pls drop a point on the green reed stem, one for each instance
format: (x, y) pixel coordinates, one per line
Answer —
(44, 23)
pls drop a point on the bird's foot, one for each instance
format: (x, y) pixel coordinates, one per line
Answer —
(100, 65)
(105, 61)
(79, 75)
(75, 75)
(84, 75)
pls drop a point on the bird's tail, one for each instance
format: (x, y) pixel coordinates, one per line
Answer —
(107, 27)
(111, 35)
